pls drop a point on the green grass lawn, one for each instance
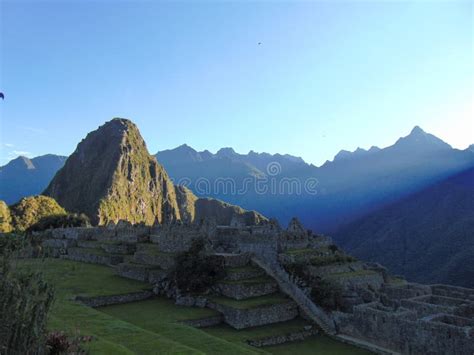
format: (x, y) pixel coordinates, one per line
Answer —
(299, 251)
(319, 344)
(159, 307)
(113, 335)
(231, 334)
(153, 326)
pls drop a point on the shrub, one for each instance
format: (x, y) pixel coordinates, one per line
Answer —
(326, 293)
(196, 272)
(60, 343)
(60, 221)
(11, 242)
(25, 300)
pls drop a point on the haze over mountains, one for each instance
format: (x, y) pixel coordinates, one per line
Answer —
(350, 186)
(340, 191)
(23, 177)
(428, 236)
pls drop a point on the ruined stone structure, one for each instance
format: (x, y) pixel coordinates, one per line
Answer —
(377, 311)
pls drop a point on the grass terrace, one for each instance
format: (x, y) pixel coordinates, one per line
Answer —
(153, 326)
(300, 251)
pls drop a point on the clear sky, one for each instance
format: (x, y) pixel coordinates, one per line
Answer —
(327, 75)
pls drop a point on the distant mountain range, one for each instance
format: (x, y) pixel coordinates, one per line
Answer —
(23, 177)
(325, 198)
(352, 185)
(427, 237)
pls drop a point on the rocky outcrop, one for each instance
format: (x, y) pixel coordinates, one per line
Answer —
(193, 209)
(224, 213)
(111, 177)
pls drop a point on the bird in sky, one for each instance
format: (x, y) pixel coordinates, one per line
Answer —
(2, 96)
(259, 43)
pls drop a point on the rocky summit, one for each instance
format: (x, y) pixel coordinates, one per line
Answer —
(111, 176)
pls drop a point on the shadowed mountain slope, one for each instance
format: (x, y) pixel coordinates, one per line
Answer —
(352, 185)
(427, 237)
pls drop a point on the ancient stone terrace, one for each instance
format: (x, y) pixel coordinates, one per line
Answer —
(415, 319)
(379, 312)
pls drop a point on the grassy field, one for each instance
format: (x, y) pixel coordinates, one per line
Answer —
(151, 326)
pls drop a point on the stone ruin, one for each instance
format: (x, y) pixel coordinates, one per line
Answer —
(379, 312)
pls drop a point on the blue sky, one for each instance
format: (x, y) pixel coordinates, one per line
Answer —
(327, 75)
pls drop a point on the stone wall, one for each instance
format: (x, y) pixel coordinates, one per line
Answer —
(101, 301)
(401, 331)
(240, 291)
(245, 318)
(284, 338)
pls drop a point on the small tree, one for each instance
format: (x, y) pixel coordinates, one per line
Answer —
(195, 271)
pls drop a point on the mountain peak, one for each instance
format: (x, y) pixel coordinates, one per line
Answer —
(111, 176)
(22, 162)
(226, 152)
(417, 130)
(185, 147)
(419, 141)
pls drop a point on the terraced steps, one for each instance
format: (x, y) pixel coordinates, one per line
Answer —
(247, 288)
(293, 330)
(243, 272)
(119, 248)
(256, 311)
(141, 272)
(93, 256)
(150, 254)
(307, 306)
(360, 278)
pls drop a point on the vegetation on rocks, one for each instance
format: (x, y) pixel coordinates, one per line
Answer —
(111, 177)
(31, 210)
(5, 218)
